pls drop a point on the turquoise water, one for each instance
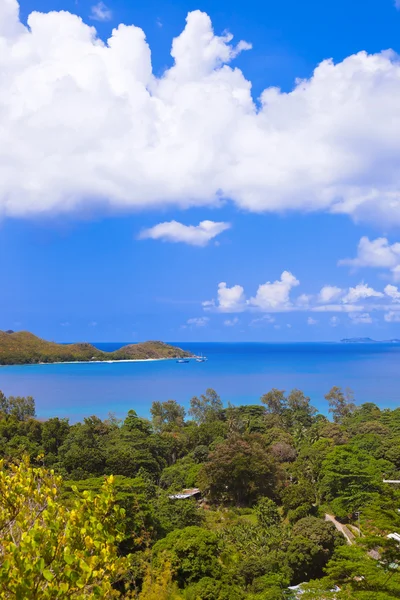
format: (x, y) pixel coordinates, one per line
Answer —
(240, 373)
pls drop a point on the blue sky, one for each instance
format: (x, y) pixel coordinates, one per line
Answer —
(169, 200)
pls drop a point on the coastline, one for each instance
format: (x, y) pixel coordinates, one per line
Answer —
(91, 362)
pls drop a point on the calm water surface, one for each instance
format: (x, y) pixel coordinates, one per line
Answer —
(240, 372)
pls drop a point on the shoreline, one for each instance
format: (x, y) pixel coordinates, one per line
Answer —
(91, 362)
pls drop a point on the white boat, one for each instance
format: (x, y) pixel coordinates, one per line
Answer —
(201, 358)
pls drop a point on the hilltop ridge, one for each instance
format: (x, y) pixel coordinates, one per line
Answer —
(23, 347)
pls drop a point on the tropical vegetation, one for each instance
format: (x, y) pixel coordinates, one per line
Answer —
(288, 498)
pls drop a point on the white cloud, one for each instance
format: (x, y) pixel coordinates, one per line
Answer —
(392, 317)
(378, 254)
(275, 295)
(304, 300)
(93, 324)
(85, 122)
(329, 293)
(65, 324)
(311, 321)
(195, 235)
(361, 292)
(229, 299)
(334, 321)
(100, 12)
(393, 292)
(288, 325)
(231, 322)
(360, 318)
(198, 321)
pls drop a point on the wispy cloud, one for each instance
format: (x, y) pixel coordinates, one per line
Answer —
(198, 322)
(231, 322)
(100, 12)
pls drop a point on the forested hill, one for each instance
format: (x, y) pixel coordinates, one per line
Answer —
(23, 347)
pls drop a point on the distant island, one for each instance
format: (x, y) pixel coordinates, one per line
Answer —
(23, 347)
(367, 340)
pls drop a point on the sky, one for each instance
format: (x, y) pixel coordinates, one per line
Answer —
(200, 171)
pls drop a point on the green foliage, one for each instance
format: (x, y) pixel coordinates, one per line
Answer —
(351, 479)
(49, 551)
(192, 552)
(239, 470)
(340, 403)
(206, 407)
(211, 589)
(167, 416)
(265, 472)
(17, 406)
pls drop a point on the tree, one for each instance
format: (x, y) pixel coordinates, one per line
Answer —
(341, 403)
(240, 470)
(312, 546)
(267, 513)
(193, 554)
(275, 401)
(17, 406)
(133, 422)
(54, 433)
(206, 407)
(299, 412)
(351, 478)
(48, 551)
(167, 416)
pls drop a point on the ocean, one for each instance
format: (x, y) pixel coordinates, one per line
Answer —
(239, 372)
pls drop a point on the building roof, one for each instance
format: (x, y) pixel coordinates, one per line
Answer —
(189, 493)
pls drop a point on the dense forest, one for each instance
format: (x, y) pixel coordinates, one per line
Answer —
(23, 347)
(276, 496)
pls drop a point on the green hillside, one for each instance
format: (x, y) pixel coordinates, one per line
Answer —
(22, 347)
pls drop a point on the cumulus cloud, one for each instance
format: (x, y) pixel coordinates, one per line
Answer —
(195, 235)
(275, 295)
(231, 322)
(100, 12)
(377, 253)
(360, 318)
(392, 317)
(334, 321)
(393, 292)
(329, 293)
(361, 292)
(229, 299)
(87, 122)
(311, 321)
(198, 321)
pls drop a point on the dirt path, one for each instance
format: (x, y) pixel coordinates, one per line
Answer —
(350, 537)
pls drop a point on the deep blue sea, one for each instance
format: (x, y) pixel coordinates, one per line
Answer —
(239, 372)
